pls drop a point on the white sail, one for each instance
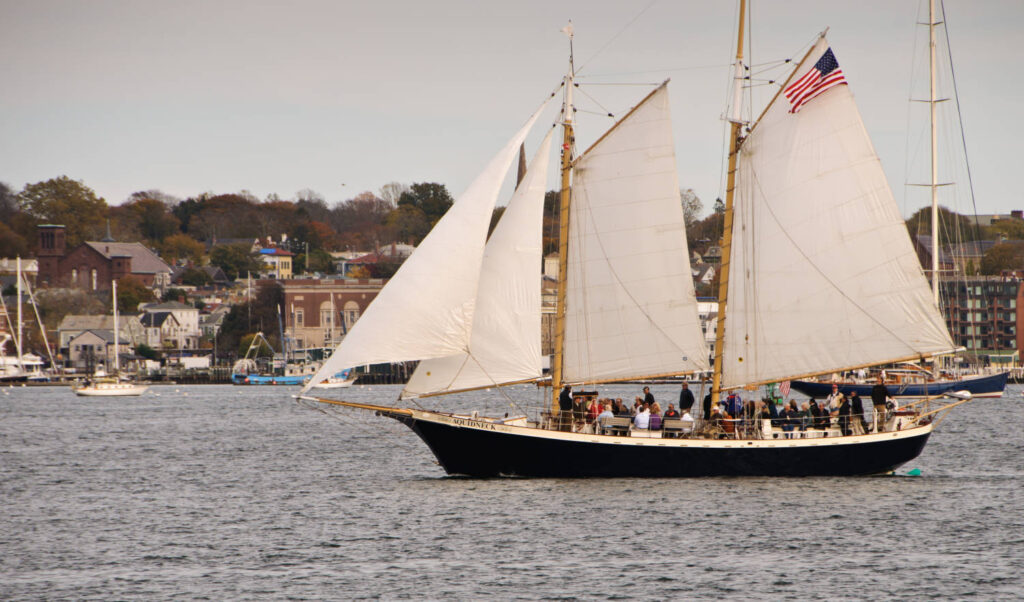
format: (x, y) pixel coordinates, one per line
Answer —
(823, 276)
(426, 309)
(630, 305)
(505, 343)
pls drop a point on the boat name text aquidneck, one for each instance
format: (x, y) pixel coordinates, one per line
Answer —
(473, 423)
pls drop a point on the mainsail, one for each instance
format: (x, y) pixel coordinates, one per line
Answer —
(631, 311)
(823, 275)
(505, 342)
(426, 309)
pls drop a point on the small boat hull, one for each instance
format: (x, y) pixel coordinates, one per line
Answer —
(260, 379)
(981, 386)
(111, 390)
(480, 448)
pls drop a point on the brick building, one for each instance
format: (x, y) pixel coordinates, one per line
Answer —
(981, 313)
(309, 318)
(93, 265)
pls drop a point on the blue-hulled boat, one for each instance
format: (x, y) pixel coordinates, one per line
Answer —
(979, 386)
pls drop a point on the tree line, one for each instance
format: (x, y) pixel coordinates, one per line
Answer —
(184, 230)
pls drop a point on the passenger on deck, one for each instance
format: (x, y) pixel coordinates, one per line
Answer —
(648, 397)
(819, 418)
(688, 421)
(790, 418)
(621, 410)
(879, 395)
(734, 405)
(565, 408)
(685, 398)
(806, 418)
(671, 413)
(844, 416)
(593, 409)
(857, 408)
(642, 420)
(606, 413)
(833, 400)
(655, 409)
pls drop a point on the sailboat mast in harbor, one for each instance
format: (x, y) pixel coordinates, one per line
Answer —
(563, 228)
(736, 122)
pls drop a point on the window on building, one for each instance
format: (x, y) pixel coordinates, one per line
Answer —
(93, 274)
(326, 317)
(299, 318)
(351, 313)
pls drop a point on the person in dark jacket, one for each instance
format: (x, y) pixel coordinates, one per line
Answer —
(685, 398)
(844, 416)
(816, 415)
(565, 408)
(879, 395)
(857, 407)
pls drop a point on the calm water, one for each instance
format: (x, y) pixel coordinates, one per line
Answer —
(225, 493)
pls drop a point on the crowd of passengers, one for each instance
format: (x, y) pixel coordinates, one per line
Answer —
(585, 411)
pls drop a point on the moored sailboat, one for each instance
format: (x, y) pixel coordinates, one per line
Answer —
(626, 306)
(103, 385)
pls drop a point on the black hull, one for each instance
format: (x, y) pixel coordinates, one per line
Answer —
(480, 452)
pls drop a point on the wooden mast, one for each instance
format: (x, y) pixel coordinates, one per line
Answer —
(723, 274)
(563, 231)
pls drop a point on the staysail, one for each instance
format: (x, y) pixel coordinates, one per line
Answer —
(823, 276)
(426, 309)
(505, 342)
(630, 306)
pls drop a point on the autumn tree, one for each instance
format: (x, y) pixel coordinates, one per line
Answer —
(408, 223)
(1004, 256)
(67, 202)
(359, 221)
(1012, 229)
(131, 292)
(151, 215)
(195, 277)
(953, 227)
(429, 197)
(392, 191)
(692, 206)
(12, 244)
(235, 260)
(183, 247)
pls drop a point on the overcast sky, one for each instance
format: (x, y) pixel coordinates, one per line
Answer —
(340, 97)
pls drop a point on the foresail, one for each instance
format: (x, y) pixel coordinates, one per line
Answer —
(630, 305)
(823, 276)
(505, 342)
(426, 309)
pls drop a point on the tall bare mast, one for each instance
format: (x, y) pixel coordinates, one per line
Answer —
(117, 340)
(723, 273)
(18, 342)
(563, 228)
(932, 101)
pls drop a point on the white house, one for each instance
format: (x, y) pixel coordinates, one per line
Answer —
(181, 333)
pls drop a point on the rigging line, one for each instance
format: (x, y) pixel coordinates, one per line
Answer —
(645, 84)
(614, 37)
(343, 419)
(907, 140)
(649, 71)
(842, 292)
(594, 100)
(959, 118)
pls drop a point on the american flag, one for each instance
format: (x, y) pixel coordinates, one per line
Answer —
(822, 76)
(784, 388)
